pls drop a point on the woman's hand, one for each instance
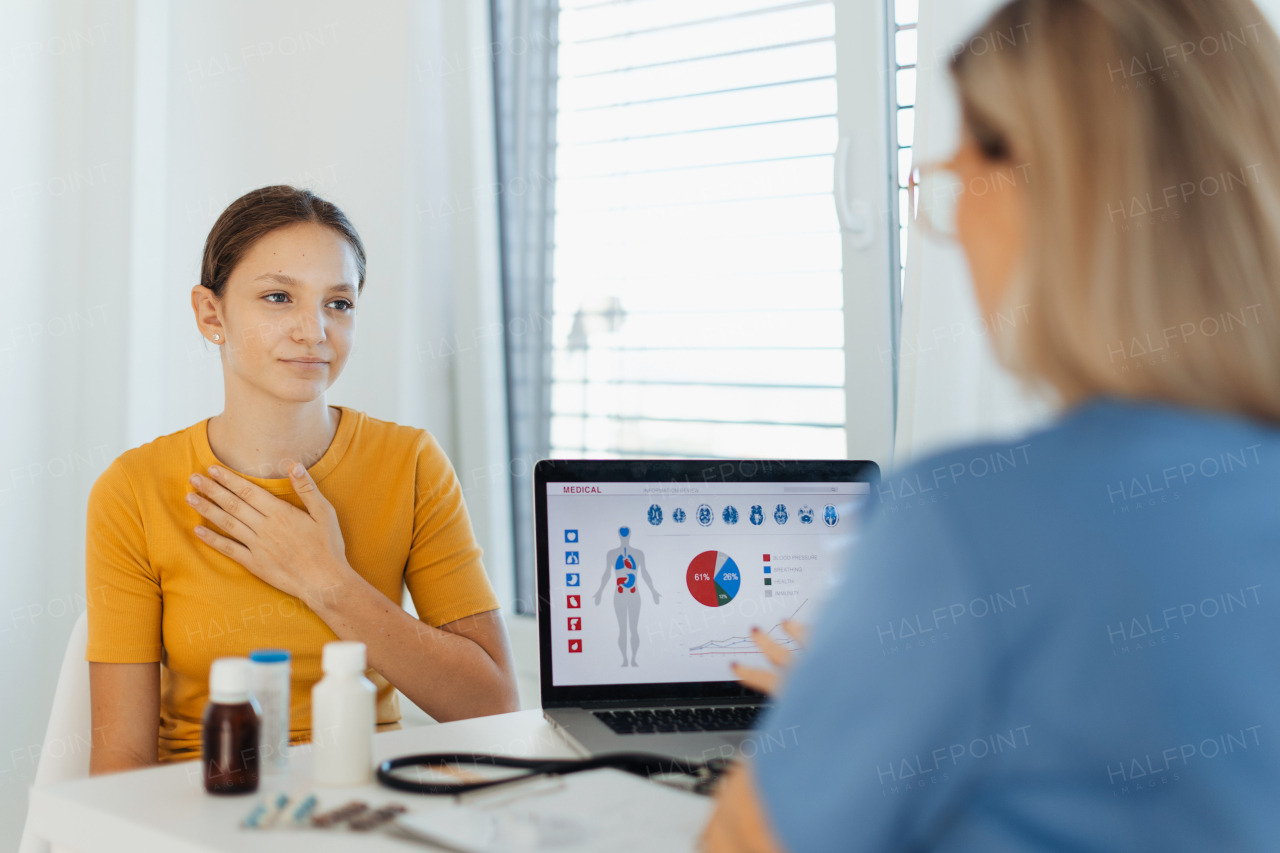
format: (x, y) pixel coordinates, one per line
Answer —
(299, 553)
(739, 823)
(767, 680)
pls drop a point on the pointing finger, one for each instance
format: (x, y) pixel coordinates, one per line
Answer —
(798, 632)
(763, 680)
(777, 655)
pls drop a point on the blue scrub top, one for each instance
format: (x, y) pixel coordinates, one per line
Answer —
(1067, 642)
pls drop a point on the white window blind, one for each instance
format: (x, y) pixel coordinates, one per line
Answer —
(697, 293)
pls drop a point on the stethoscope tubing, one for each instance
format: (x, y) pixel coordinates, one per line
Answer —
(638, 763)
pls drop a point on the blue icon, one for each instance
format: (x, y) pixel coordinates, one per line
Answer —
(730, 515)
(571, 558)
(571, 536)
(768, 570)
(624, 532)
(757, 515)
(705, 515)
(780, 514)
(677, 515)
(830, 516)
(655, 515)
(806, 515)
(571, 579)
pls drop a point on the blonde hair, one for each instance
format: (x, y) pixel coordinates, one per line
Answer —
(1152, 133)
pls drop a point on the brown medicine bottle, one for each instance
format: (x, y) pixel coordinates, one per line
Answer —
(230, 730)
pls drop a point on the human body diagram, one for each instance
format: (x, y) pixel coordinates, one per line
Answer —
(622, 565)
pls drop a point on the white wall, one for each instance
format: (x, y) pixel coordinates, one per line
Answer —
(128, 126)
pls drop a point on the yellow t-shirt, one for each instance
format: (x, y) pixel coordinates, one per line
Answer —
(157, 593)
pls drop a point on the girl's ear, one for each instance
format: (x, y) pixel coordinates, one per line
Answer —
(205, 308)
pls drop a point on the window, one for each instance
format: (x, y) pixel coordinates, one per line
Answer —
(707, 256)
(904, 40)
(697, 263)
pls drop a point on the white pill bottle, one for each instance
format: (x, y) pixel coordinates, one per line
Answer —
(269, 675)
(343, 719)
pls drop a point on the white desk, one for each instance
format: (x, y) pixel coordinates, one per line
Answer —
(166, 808)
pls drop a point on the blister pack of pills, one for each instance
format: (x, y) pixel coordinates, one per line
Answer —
(280, 812)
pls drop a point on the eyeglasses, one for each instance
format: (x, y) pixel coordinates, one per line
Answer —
(934, 191)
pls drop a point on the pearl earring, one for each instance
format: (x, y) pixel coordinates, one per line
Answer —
(215, 337)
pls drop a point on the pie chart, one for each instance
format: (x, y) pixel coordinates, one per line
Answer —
(713, 578)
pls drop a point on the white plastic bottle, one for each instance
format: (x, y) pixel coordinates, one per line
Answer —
(269, 674)
(343, 718)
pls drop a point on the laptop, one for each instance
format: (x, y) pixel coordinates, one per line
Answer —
(651, 574)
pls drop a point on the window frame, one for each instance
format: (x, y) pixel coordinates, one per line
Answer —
(866, 195)
(872, 295)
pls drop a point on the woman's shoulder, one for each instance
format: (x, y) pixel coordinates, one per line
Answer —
(371, 431)
(172, 453)
(1096, 439)
(159, 453)
(398, 445)
(1108, 471)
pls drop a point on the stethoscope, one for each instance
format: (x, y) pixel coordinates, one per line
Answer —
(458, 773)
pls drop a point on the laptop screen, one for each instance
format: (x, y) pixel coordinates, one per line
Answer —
(661, 583)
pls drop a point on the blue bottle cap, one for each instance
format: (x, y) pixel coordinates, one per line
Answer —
(269, 656)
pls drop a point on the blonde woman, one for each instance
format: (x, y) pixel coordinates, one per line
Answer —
(1076, 651)
(282, 522)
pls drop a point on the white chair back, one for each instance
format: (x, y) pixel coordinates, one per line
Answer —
(65, 752)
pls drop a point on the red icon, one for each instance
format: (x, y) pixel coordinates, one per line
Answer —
(575, 623)
(766, 558)
(575, 646)
(574, 602)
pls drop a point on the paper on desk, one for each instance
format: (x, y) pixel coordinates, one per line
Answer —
(605, 810)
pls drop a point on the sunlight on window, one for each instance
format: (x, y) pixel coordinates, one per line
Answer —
(697, 263)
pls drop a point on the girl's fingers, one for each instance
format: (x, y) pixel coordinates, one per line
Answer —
(798, 632)
(254, 496)
(230, 547)
(229, 501)
(777, 655)
(316, 503)
(218, 516)
(763, 680)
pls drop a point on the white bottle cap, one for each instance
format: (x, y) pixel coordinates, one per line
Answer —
(229, 681)
(343, 658)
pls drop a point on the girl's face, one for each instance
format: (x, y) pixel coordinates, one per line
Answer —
(287, 318)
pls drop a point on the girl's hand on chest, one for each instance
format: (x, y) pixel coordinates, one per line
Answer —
(298, 551)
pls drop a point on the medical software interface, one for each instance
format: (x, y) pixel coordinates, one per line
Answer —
(658, 583)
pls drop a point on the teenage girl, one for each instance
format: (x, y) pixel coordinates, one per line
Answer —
(282, 521)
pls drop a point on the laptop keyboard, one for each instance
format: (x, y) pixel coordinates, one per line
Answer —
(716, 718)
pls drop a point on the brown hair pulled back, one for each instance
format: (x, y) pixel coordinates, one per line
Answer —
(259, 212)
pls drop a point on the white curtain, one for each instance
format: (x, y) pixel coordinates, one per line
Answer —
(951, 389)
(126, 126)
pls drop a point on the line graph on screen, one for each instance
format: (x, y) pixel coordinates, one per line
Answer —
(744, 645)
